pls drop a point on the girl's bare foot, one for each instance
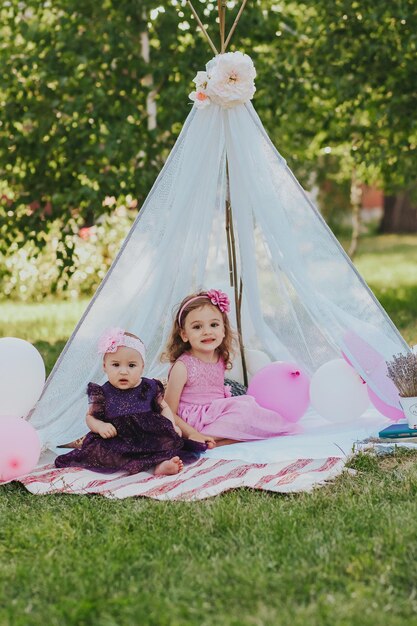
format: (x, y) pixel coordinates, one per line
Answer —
(204, 439)
(166, 468)
(226, 442)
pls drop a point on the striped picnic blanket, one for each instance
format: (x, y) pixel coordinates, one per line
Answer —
(205, 478)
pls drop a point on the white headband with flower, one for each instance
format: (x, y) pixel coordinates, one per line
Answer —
(216, 297)
(114, 338)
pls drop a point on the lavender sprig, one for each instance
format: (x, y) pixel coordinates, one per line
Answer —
(402, 370)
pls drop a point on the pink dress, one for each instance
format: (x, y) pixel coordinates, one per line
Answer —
(206, 404)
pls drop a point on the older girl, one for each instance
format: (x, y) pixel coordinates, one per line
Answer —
(200, 348)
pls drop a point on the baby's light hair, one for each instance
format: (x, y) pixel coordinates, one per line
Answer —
(176, 346)
(126, 334)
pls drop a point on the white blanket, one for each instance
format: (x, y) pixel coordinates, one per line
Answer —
(284, 464)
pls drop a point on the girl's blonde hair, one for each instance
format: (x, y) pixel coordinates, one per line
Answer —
(176, 346)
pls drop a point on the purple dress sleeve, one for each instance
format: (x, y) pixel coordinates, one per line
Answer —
(96, 401)
(159, 393)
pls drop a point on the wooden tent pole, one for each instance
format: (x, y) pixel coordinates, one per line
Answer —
(238, 289)
(201, 25)
(221, 7)
(235, 23)
(228, 240)
(230, 236)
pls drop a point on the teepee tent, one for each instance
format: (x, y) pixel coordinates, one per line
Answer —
(299, 297)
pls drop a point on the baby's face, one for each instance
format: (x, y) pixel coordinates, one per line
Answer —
(124, 367)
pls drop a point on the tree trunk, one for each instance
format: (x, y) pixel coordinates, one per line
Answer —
(356, 203)
(400, 214)
(147, 80)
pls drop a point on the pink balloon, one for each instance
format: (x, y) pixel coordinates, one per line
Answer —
(367, 357)
(20, 448)
(392, 408)
(346, 359)
(396, 415)
(374, 365)
(379, 379)
(381, 382)
(282, 387)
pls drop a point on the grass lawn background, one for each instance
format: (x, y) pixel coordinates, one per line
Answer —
(342, 555)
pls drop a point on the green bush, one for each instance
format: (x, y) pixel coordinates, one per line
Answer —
(30, 274)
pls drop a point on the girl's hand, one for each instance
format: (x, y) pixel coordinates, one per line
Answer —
(107, 431)
(211, 443)
(166, 412)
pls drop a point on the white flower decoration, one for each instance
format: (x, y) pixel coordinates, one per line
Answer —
(200, 99)
(228, 81)
(199, 96)
(201, 80)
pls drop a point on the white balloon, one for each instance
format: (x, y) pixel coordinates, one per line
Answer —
(255, 361)
(236, 373)
(22, 376)
(337, 392)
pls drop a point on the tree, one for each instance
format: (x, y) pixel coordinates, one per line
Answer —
(357, 77)
(74, 90)
(400, 213)
(74, 119)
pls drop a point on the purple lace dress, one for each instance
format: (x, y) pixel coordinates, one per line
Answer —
(144, 436)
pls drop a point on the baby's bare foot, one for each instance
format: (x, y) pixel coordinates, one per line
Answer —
(166, 468)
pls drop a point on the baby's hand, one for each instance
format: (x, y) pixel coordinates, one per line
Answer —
(211, 443)
(107, 431)
(178, 430)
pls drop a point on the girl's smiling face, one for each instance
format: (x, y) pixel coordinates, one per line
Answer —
(124, 368)
(204, 330)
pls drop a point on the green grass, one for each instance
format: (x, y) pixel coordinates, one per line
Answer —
(389, 265)
(344, 555)
(47, 325)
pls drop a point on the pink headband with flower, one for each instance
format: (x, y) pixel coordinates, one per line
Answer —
(216, 297)
(114, 338)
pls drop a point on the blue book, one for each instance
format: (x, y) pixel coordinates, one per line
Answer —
(397, 431)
